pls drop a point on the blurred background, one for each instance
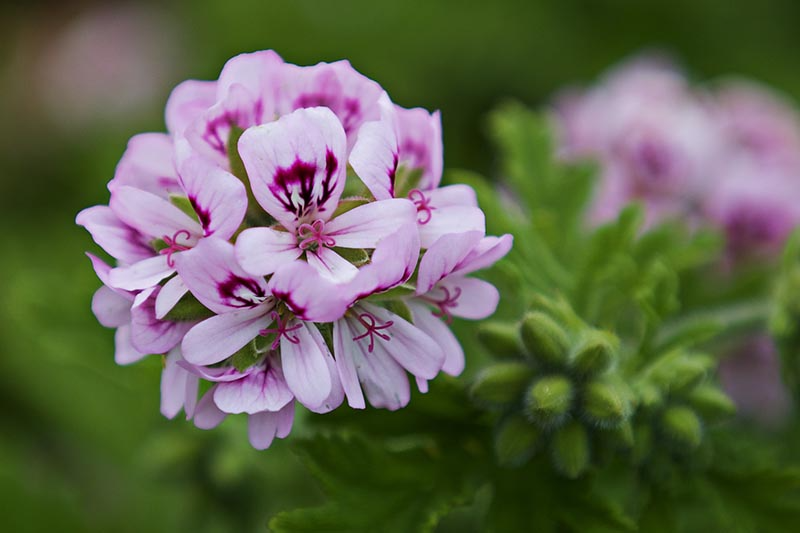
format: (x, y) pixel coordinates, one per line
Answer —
(83, 445)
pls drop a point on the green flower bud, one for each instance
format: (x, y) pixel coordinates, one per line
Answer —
(681, 372)
(502, 383)
(544, 339)
(711, 402)
(606, 404)
(549, 400)
(571, 450)
(516, 440)
(501, 340)
(595, 353)
(682, 426)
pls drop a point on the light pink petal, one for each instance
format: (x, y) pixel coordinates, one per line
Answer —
(452, 219)
(121, 241)
(297, 165)
(174, 383)
(309, 86)
(485, 254)
(219, 337)
(331, 265)
(303, 356)
(366, 225)
(411, 347)
(169, 295)
(111, 309)
(452, 195)
(149, 334)
(392, 263)
(262, 428)
(359, 101)
(148, 164)
(422, 385)
(308, 294)
(125, 353)
(477, 298)
(188, 102)
(443, 256)
(218, 197)
(346, 358)
(153, 215)
(207, 415)
(384, 381)
(217, 374)
(375, 156)
(436, 328)
(259, 73)
(285, 420)
(213, 275)
(420, 142)
(261, 251)
(336, 396)
(259, 391)
(140, 275)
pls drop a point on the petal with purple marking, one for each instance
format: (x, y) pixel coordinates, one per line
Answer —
(444, 256)
(120, 240)
(262, 390)
(153, 215)
(296, 165)
(213, 275)
(148, 164)
(375, 156)
(420, 141)
(217, 196)
(187, 103)
(148, 333)
(308, 294)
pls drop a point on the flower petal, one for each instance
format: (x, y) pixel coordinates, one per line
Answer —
(436, 328)
(375, 156)
(331, 265)
(111, 309)
(451, 219)
(296, 165)
(188, 102)
(213, 275)
(304, 364)
(488, 251)
(443, 256)
(420, 141)
(262, 428)
(169, 295)
(477, 300)
(152, 215)
(149, 334)
(207, 415)
(124, 352)
(392, 263)
(366, 225)
(451, 195)
(308, 294)
(175, 381)
(219, 337)
(140, 275)
(262, 390)
(218, 197)
(261, 251)
(259, 73)
(147, 164)
(120, 240)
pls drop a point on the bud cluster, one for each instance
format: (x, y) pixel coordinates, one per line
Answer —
(563, 387)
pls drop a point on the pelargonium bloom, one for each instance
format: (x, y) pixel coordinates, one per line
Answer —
(270, 245)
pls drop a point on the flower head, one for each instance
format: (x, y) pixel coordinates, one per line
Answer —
(268, 245)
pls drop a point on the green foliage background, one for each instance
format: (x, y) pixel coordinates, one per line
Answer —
(83, 446)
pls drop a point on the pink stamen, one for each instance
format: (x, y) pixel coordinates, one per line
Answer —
(442, 306)
(314, 234)
(280, 330)
(371, 324)
(173, 246)
(424, 209)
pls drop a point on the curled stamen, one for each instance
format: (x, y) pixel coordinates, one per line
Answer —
(313, 235)
(424, 209)
(173, 246)
(444, 304)
(280, 330)
(369, 322)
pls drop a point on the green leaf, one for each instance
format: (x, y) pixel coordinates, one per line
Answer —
(188, 309)
(401, 309)
(184, 204)
(356, 256)
(372, 488)
(406, 180)
(246, 357)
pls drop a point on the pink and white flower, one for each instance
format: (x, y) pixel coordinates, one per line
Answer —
(270, 284)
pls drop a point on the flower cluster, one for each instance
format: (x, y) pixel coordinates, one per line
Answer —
(288, 241)
(727, 156)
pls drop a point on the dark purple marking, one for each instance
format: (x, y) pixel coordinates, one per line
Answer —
(314, 100)
(228, 291)
(329, 183)
(352, 114)
(298, 310)
(393, 173)
(202, 214)
(300, 176)
(417, 152)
